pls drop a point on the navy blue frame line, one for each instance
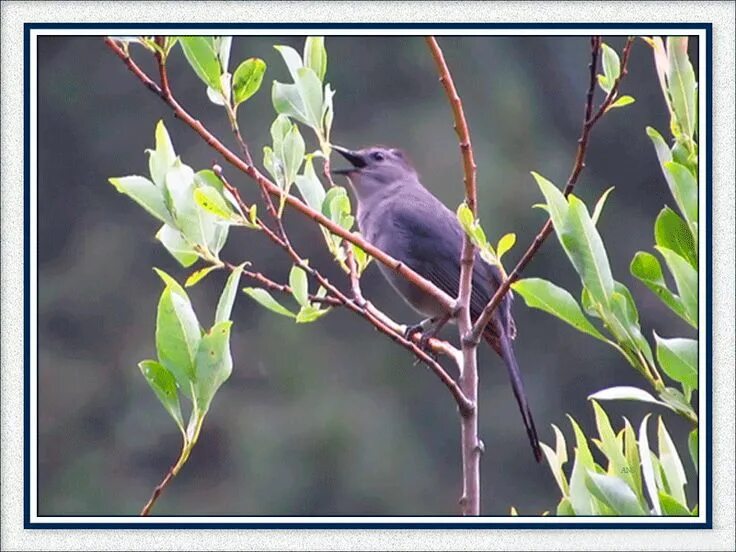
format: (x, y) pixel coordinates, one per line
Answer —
(707, 524)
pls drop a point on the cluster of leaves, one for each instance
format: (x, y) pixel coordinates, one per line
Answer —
(192, 362)
(634, 482)
(195, 208)
(607, 311)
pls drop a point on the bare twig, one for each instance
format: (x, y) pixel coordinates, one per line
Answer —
(471, 449)
(589, 122)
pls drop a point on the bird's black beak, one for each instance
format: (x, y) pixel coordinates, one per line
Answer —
(355, 159)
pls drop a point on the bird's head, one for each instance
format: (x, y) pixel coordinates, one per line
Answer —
(376, 168)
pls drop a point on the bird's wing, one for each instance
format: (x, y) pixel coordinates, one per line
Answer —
(436, 237)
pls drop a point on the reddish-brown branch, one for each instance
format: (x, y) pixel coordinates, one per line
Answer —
(471, 449)
(445, 300)
(589, 122)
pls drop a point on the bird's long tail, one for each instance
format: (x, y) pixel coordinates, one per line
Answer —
(503, 347)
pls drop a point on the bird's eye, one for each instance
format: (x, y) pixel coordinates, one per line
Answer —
(378, 156)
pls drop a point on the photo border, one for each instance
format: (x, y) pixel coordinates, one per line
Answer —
(703, 521)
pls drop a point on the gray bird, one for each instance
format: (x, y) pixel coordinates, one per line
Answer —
(400, 216)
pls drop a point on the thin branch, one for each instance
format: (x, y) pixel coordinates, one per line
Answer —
(400, 268)
(471, 448)
(589, 122)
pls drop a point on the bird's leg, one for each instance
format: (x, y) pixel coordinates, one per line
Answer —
(429, 328)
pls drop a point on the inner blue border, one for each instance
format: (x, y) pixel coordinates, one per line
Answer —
(707, 524)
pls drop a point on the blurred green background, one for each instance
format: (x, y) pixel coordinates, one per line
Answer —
(332, 417)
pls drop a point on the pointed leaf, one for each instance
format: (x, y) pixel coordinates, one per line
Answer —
(202, 57)
(646, 268)
(264, 298)
(671, 465)
(177, 335)
(692, 445)
(685, 190)
(672, 507)
(293, 154)
(682, 85)
(678, 357)
(198, 275)
(227, 298)
(175, 244)
(599, 205)
(646, 466)
(310, 90)
(163, 384)
(310, 186)
(544, 295)
(310, 313)
(161, 158)
(611, 63)
(631, 452)
(505, 244)
(625, 393)
(214, 364)
(292, 59)
(686, 279)
(145, 193)
(672, 232)
(287, 101)
(621, 102)
(315, 55)
(615, 493)
(298, 284)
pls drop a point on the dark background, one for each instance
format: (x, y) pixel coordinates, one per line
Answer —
(331, 417)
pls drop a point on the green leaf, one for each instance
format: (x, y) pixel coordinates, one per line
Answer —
(247, 79)
(175, 244)
(201, 55)
(621, 102)
(145, 193)
(672, 507)
(505, 244)
(587, 253)
(676, 400)
(299, 285)
(564, 508)
(686, 279)
(211, 201)
(556, 459)
(678, 357)
(310, 186)
(161, 158)
(177, 335)
(682, 85)
(310, 313)
(604, 83)
(672, 232)
(685, 190)
(646, 268)
(293, 154)
(292, 59)
(614, 493)
(328, 111)
(671, 465)
(692, 445)
(599, 205)
(580, 497)
(611, 63)
(336, 206)
(625, 393)
(465, 217)
(163, 384)
(310, 90)
(287, 101)
(557, 205)
(214, 364)
(265, 299)
(610, 446)
(315, 55)
(198, 275)
(647, 467)
(544, 295)
(631, 453)
(222, 46)
(227, 297)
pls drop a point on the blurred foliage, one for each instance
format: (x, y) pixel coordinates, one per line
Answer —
(329, 418)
